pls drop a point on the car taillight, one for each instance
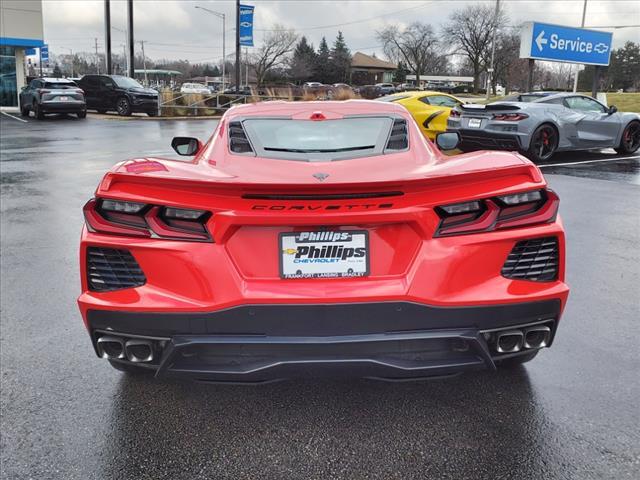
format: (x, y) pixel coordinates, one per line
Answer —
(511, 117)
(43, 90)
(514, 210)
(454, 113)
(139, 219)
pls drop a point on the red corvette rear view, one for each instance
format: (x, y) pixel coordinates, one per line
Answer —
(313, 238)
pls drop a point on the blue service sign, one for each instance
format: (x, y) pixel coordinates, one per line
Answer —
(44, 53)
(30, 51)
(544, 41)
(246, 25)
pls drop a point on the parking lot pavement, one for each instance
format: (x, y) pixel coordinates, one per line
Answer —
(570, 414)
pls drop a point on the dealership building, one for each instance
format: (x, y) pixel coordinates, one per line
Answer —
(20, 29)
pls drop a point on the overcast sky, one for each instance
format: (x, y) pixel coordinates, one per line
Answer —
(176, 29)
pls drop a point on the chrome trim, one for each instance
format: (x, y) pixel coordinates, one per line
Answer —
(109, 339)
(545, 340)
(137, 342)
(510, 333)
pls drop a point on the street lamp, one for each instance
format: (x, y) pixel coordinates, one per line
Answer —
(224, 34)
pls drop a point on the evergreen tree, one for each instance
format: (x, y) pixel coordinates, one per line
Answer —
(303, 63)
(340, 60)
(400, 75)
(323, 63)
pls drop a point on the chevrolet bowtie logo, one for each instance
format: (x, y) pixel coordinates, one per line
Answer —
(320, 176)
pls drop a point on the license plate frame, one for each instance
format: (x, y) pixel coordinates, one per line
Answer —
(350, 267)
(475, 122)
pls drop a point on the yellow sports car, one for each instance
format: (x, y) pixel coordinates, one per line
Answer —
(429, 109)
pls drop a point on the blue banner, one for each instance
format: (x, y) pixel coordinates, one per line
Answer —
(246, 25)
(558, 43)
(44, 53)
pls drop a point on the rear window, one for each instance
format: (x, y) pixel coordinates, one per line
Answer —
(318, 140)
(59, 85)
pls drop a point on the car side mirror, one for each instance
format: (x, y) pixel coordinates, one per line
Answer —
(187, 146)
(612, 109)
(23, 88)
(447, 140)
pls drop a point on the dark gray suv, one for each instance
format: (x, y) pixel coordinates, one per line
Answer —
(52, 95)
(118, 93)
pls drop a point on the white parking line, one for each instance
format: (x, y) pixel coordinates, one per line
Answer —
(599, 160)
(15, 118)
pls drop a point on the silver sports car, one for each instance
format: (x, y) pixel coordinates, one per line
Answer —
(542, 123)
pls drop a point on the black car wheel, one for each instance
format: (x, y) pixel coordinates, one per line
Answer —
(544, 143)
(123, 107)
(24, 110)
(630, 140)
(82, 114)
(37, 111)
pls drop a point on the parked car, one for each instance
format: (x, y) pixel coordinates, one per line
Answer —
(52, 95)
(116, 92)
(429, 109)
(386, 88)
(407, 87)
(369, 91)
(195, 88)
(243, 90)
(287, 247)
(550, 123)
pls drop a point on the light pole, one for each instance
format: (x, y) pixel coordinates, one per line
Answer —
(224, 34)
(493, 48)
(575, 79)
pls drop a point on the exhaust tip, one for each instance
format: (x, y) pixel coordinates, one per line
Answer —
(510, 341)
(537, 337)
(138, 350)
(110, 347)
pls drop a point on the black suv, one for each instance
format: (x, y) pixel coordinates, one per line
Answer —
(52, 95)
(119, 93)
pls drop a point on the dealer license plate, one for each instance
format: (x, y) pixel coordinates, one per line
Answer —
(63, 99)
(324, 254)
(475, 122)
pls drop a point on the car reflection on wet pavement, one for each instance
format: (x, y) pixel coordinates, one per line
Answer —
(572, 413)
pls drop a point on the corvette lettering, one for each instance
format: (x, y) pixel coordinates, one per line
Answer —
(311, 208)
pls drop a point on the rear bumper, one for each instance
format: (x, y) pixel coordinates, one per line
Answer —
(482, 140)
(386, 340)
(63, 107)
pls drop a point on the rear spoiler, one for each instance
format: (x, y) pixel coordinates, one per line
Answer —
(474, 107)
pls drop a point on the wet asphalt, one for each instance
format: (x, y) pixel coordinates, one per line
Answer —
(572, 413)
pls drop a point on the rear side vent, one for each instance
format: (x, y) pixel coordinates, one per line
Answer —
(238, 141)
(111, 269)
(398, 140)
(535, 260)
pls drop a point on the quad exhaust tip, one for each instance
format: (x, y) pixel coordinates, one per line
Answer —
(510, 341)
(139, 350)
(537, 337)
(110, 347)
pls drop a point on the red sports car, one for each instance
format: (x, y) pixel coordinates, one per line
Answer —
(316, 238)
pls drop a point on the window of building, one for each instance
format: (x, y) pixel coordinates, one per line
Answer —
(8, 86)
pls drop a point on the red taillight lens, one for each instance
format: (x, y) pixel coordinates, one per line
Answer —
(510, 117)
(139, 219)
(43, 90)
(516, 210)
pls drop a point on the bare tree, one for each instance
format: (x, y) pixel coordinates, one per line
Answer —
(415, 46)
(471, 30)
(274, 51)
